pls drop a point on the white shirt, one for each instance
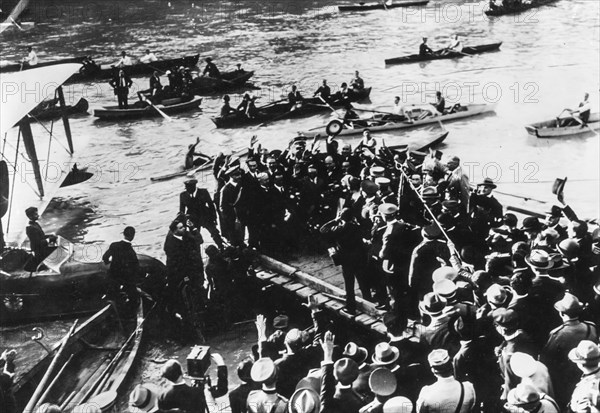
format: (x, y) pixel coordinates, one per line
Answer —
(32, 58)
(147, 58)
(456, 45)
(125, 61)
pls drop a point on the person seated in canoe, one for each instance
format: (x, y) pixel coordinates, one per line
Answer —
(579, 116)
(455, 46)
(440, 103)
(238, 69)
(125, 60)
(397, 112)
(31, 59)
(323, 91)
(226, 109)
(294, 97)
(243, 106)
(211, 69)
(41, 244)
(186, 89)
(247, 106)
(343, 95)
(201, 159)
(350, 114)
(357, 83)
(424, 49)
(155, 89)
(149, 57)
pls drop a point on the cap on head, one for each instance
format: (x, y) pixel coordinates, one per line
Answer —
(263, 370)
(506, 318)
(524, 395)
(398, 404)
(439, 360)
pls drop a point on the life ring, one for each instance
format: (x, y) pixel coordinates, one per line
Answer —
(334, 127)
(4, 188)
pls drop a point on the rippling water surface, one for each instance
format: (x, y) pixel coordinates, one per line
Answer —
(548, 59)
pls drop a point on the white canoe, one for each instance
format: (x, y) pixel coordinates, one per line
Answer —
(375, 125)
(548, 129)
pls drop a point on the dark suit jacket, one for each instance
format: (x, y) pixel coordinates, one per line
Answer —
(183, 259)
(38, 240)
(199, 206)
(291, 369)
(115, 82)
(189, 399)
(124, 264)
(227, 202)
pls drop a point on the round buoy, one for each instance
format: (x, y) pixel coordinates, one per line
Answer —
(334, 127)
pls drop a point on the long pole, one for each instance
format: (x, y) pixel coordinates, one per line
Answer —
(12, 195)
(54, 381)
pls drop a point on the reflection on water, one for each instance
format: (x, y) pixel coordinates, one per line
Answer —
(548, 59)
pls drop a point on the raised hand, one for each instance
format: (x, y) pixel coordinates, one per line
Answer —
(327, 346)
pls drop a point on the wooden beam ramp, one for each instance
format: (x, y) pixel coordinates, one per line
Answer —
(329, 297)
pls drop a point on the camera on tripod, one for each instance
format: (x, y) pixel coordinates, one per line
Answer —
(198, 362)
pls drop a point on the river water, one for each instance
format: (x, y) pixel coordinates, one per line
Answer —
(548, 59)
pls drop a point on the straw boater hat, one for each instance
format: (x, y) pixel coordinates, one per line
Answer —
(356, 353)
(496, 295)
(387, 209)
(385, 354)
(445, 288)
(586, 354)
(444, 273)
(398, 404)
(523, 365)
(539, 259)
(377, 171)
(569, 305)
(382, 382)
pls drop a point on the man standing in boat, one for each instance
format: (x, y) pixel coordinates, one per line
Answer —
(211, 69)
(121, 84)
(124, 266)
(39, 242)
(424, 49)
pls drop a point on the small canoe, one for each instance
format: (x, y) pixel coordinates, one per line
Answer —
(48, 111)
(17, 67)
(183, 172)
(94, 71)
(203, 85)
(336, 127)
(280, 111)
(549, 128)
(467, 51)
(94, 365)
(494, 10)
(143, 110)
(380, 6)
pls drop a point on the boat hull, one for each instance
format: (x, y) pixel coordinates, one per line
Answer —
(79, 288)
(41, 113)
(114, 113)
(282, 111)
(17, 67)
(472, 50)
(380, 6)
(548, 129)
(471, 110)
(501, 11)
(204, 85)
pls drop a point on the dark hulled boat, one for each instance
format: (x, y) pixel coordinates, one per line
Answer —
(515, 7)
(466, 51)
(280, 111)
(49, 111)
(143, 109)
(381, 6)
(204, 85)
(94, 71)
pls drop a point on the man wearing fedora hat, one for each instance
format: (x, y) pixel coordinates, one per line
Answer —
(526, 398)
(586, 396)
(144, 399)
(447, 394)
(383, 385)
(359, 355)
(198, 206)
(562, 339)
(485, 210)
(230, 224)
(264, 371)
(437, 333)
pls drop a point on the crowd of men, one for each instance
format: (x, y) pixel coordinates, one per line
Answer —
(509, 310)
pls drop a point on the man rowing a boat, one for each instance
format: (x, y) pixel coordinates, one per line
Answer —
(31, 58)
(148, 57)
(294, 97)
(424, 49)
(323, 91)
(155, 89)
(357, 83)
(211, 69)
(226, 109)
(579, 116)
(124, 60)
(440, 102)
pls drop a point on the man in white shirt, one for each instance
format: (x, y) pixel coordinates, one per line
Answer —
(124, 60)
(31, 58)
(148, 57)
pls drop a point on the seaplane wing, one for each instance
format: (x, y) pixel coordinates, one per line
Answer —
(37, 167)
(14, 16)
(23, 91)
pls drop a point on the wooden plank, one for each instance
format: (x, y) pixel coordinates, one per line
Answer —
(277, 266)
(365, 319)
(293, 286)
(305, 292)
(379, 327)
(265, 275)
(280, 280)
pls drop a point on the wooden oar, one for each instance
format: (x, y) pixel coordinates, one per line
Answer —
(160, 112)
(33, 401)
(374, 111)
(54, 381)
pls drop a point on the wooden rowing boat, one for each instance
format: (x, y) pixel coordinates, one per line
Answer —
(494, 10)
(17, 67)
(336, 127)
(380, 6)
(280, 111)
(49, 111)
(143, 109)
(549, 128)
(203, 85)
(97, 360)
(94, 71)
(466, 51)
